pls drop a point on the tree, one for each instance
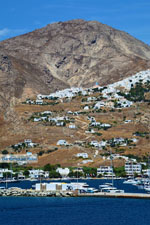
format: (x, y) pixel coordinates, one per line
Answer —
(49, 167)
(90, 171)
(26, 173)
(120, 171)
(4, 165)
(7, 175)
(4, 152)
(75, 174)
(54, 174)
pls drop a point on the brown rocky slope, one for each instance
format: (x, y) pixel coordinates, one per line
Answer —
(63, 54)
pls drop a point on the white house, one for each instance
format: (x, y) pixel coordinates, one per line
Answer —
(35, 174)
(39, 101)
(60, 124)
(72, 126)
(46, 113)
(82, 155)
(37, 119)
(86, 107)
(95, 144)
(98, 105)
(29, 143)
(62, 142)
(87, 161)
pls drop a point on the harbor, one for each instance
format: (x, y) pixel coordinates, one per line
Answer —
(69, 188)
(18, 192)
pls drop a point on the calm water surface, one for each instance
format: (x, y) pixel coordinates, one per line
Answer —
(75, 211)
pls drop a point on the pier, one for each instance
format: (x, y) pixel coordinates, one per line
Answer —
(32, 193)
(116, 195)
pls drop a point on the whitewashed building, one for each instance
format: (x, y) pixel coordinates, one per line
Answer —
(131, 168)
(62, 142)
(105, 171)
(35, 174)
(83, 155)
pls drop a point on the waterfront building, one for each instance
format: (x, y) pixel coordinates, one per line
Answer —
(35, 174)
(4, 171)
(58, 186)
(105, 171)
(131, 168)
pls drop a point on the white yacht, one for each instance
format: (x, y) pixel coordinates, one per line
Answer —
(105, 185)
(130, 181)
(111, 189)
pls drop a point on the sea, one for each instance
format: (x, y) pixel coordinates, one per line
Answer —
(75, 210)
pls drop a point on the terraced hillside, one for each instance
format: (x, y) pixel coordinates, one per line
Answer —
(96, 121)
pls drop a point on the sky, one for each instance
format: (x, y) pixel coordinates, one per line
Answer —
(22, 16)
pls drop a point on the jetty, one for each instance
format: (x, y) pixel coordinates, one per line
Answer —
(116, 195)
(33, 193)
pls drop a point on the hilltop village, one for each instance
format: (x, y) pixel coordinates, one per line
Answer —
(87, 128)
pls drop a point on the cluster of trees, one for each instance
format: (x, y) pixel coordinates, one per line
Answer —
(87, 172)
(137, 93)
(120, 171)
(52, 170)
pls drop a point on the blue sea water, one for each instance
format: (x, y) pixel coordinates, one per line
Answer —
(75, 211)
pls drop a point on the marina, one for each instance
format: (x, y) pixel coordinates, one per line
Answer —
(70, 188)
(16, 192)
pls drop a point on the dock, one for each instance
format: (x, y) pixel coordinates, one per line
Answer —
(33, 193)
(115, 195)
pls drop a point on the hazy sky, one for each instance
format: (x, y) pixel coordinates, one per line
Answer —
(21, 16)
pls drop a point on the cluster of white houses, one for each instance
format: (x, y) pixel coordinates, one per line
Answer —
(66, 93)
(26, 143)
(58, 121)
(112, 142)
(109, 93)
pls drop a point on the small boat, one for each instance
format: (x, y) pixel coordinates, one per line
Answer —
(147, 188)
(130, 181)
(1, 188)
(105, 185)
(112, 190)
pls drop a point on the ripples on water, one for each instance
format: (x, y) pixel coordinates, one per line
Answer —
(74, 211)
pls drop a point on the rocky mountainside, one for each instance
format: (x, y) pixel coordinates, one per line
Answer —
(64, 54)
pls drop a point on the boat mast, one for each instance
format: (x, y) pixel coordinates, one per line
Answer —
(112, 168)
(6, 180)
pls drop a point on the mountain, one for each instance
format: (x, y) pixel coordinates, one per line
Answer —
(65, 54)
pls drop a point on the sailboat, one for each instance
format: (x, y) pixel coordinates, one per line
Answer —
(147, 184)
(109, 187)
